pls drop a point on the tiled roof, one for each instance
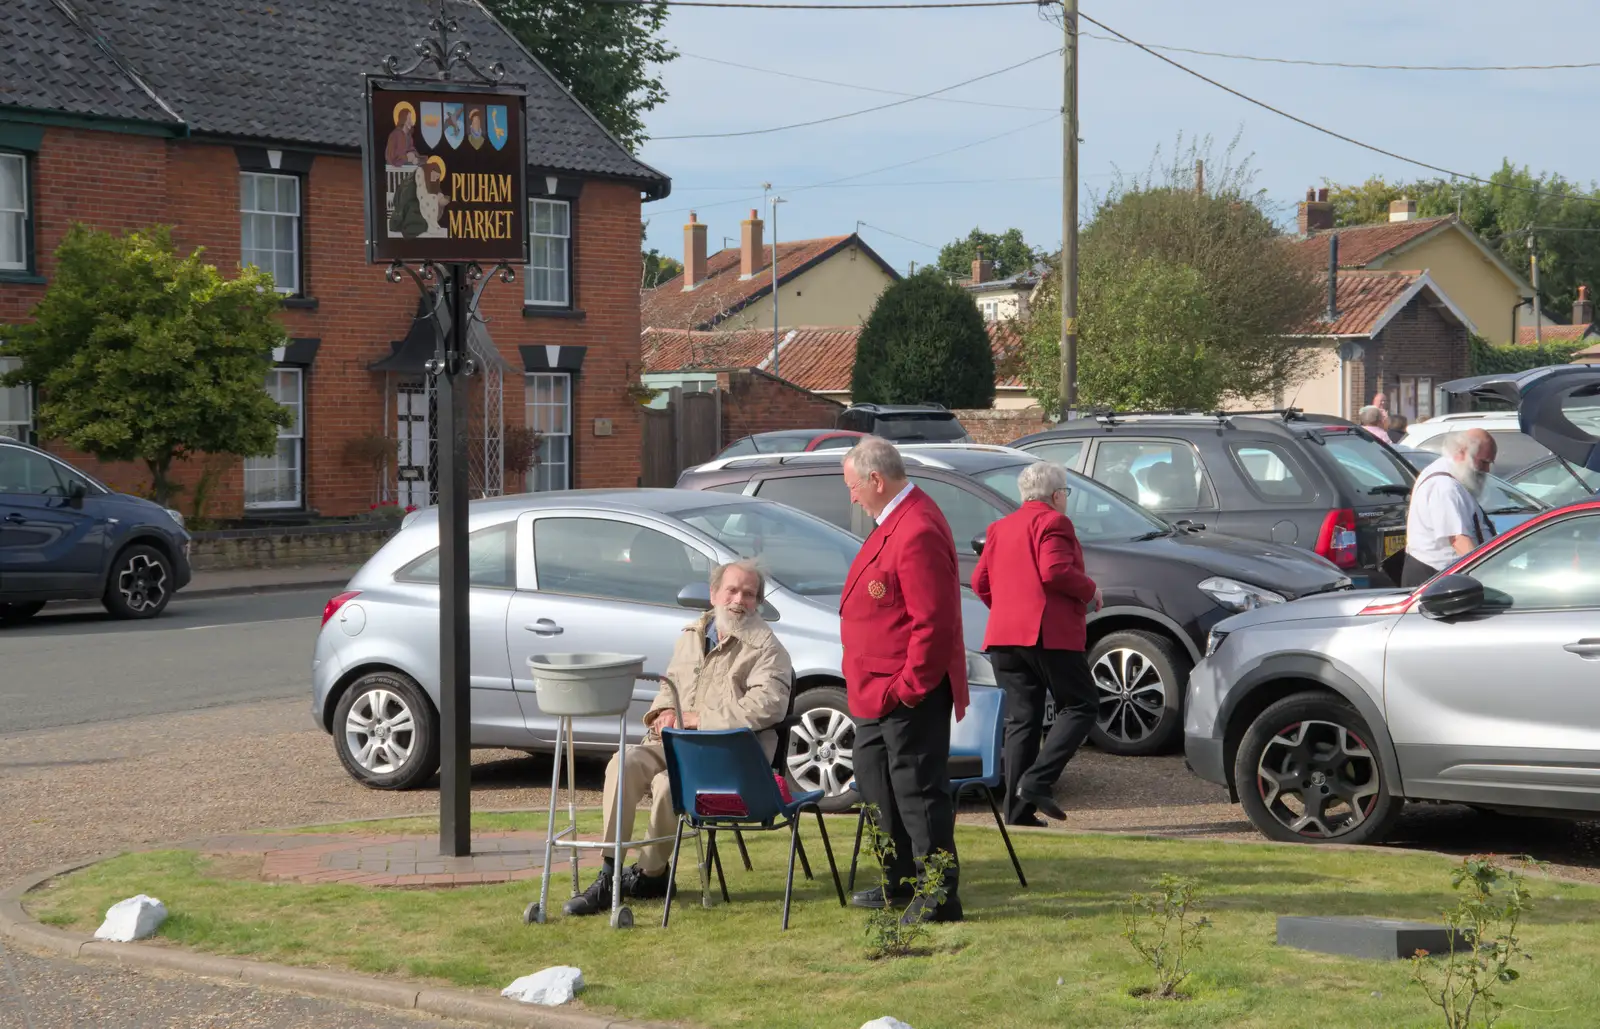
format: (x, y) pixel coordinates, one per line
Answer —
(722, 292)
(1364, 299)
(1555, 333)
(1360, 245)
(820, 359)
(285, 71)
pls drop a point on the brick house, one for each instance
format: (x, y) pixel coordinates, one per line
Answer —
(239, 125)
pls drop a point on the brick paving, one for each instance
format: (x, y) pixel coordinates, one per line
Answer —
(396, 860)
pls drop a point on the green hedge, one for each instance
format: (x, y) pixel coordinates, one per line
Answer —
(1490, 359)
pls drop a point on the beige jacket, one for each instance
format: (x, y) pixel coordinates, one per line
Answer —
(743, 683)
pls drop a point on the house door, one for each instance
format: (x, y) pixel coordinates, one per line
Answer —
(414, 462)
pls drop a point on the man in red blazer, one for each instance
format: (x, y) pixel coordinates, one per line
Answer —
(1032, 578)
(905, 668)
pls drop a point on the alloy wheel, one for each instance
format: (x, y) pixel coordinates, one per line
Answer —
(821, 750)
(380, 731)
(1133, 696)
(1318, 779)
(142, 583)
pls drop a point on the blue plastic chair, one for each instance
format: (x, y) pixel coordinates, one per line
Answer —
(981, 734)
(724, 761)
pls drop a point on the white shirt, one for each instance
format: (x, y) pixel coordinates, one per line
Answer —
(883, 515)
(1441, 508)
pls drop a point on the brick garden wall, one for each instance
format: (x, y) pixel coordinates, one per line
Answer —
(279, 548)
(1001, 426)
(756, 401)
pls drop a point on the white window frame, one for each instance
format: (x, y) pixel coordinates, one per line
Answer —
(22, 430)
(269, 219)
(536, 265)
(24, 235)
(552, 419)
(294, 436)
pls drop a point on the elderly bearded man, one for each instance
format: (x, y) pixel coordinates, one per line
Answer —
(1446, 521)
(731, 673)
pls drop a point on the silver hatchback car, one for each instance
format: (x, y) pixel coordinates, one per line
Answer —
(582, 571)
(1324, 715)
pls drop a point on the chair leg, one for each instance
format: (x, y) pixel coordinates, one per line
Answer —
(738, 837)
(1000, 824)
(788, 884)
(672, 874)
(855, 855)
(827, 848)
(714, 856)
(805, 863)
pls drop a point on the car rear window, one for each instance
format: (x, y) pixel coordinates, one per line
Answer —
(1364, 463)
(1272, 472)
(934, 427)
(1514, 450)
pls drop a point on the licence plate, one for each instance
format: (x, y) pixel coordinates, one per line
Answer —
(1393, 544)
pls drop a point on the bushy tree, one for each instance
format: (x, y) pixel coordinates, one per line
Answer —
(1010, 253)
(141, 354)
(924, 342)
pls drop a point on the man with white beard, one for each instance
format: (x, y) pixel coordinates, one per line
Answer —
(1446, 521)
(731, 673)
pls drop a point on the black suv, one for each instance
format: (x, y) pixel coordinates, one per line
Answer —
(1306, 480)
(1164, 587)
(904, 423)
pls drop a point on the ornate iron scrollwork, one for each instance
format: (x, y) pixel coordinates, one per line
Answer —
(443, 53)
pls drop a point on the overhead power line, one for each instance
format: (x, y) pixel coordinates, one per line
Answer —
(1348, 64)
(896, 235)
(864, 110)
(1330, 132)
(857, 86)
(823, 7)
(876, 185)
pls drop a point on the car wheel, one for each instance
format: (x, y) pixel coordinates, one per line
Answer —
(140, 584)
(1307, 772)
(12, 614)
(386, 732)
(1140, 678)
(819, 753)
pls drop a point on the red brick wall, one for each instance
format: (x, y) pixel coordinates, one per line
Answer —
(1001, 426)
(119, 182)
(1417, 341)
(758, 402)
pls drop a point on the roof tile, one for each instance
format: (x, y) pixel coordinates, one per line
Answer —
(1362, 297)
(1360, 245)
(1556, 333)
(722, 291)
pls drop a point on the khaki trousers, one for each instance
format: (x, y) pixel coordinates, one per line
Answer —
(647, 773)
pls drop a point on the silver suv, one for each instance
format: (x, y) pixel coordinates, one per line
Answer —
(582, 571)
(1323, 716)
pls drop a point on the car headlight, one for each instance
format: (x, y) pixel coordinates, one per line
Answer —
(177, 516)
(979, 671)
(1238, 596)
(1213, 641)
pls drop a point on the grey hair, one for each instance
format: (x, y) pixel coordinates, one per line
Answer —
(1040, 480)
(1372, 414)
(744, 564)
(876, 454)
(1463, 440)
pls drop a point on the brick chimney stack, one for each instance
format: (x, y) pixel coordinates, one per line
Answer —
(1402, 210)
(752, 256)
(694, 252)
(1316, 213)
(1583, 308)
(982, 271)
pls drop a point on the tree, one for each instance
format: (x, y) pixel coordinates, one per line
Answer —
(1009, 251)
(602, 52)
(924, 342)
(139, 354)
(659, 268)
(1186, 299)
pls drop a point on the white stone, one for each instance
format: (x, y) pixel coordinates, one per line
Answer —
(549, 986)
(886, 1022)
(132, 919)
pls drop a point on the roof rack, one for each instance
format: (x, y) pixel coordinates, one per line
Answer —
(1112, 417)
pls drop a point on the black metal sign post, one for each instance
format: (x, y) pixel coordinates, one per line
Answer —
(446, 163)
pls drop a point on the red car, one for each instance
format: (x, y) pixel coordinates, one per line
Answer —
(791, 441)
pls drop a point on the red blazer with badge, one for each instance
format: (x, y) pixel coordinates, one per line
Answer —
(900, 616)
(1032, 579)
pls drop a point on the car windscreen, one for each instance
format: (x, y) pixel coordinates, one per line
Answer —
(803, 554)
(1500, 497)
(1556, 483)
(1098, 515)
(933, 426)
(1366, 465)
(780, 444)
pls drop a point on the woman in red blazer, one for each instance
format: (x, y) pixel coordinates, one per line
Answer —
(1032, 578)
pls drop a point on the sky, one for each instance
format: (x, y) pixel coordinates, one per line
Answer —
(1131, 104)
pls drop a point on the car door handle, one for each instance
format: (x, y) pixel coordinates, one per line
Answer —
(15, 518)
(544, 627)
(1589, 650)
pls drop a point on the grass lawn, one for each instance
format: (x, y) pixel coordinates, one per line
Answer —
(1048, 955)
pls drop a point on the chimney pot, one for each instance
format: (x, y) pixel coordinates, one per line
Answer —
(982, 271)
(1316, 214)
(1583, 308)
(1322, 196)
(1402, 210)
(1311, 195)
(752, 255)
(694, 252)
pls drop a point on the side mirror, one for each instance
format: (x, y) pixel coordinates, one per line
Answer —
(75, 494)
(1189, 525)
(978, 541)
(696, 596)
(1451, 596)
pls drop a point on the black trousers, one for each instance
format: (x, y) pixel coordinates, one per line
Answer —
(1027, 674)
(902, 763)
(1416, 573)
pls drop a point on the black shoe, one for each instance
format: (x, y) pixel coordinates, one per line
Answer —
(1031, 821)
(923, 909)
(594, 900)
(1044, 803)
(636, 884)
(873, 898)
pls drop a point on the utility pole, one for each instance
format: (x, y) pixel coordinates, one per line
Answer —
(775, 202)
(1533, 260)
(1069, 209)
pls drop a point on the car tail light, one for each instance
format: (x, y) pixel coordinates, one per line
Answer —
(336, 603)
(1337, 540)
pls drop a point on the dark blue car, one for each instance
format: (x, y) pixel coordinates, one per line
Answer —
(64, 536)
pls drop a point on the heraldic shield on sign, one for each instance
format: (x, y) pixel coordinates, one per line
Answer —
(429, 197)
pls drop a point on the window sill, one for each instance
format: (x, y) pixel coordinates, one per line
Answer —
(19, 278)
(300, 303)
(536, 311)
